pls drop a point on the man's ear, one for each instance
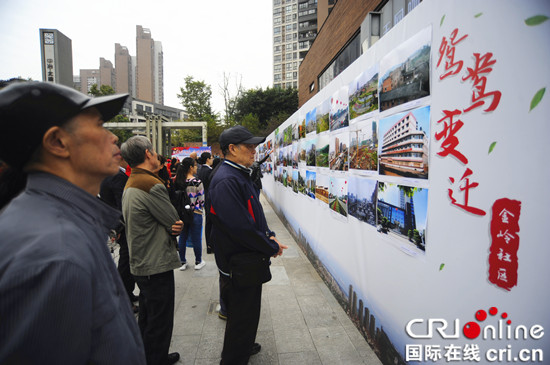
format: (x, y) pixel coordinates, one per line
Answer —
(55, 141)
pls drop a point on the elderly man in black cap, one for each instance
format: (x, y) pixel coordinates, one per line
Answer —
(240, 229)
(61, 298)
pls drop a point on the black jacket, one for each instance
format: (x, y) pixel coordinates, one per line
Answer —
(234, 206)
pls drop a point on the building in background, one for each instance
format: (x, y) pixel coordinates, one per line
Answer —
(295, 26)
(149, 67)
(350, 28)
(107, 73)
(158, 73)
(57, 57)
(123, 70)
(88, 77)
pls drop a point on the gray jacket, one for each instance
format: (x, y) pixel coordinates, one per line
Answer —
(61, 297)
(149, 216)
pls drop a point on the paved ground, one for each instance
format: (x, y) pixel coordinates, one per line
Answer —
(301, 321)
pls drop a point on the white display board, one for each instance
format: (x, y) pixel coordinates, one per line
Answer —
(418, 182)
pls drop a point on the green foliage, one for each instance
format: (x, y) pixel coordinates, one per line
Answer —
(416, 237)
(537, 98)
(536, 20)
(492, 146)
(122, 134)
(102, 91)
(271, 107)
(195, 97)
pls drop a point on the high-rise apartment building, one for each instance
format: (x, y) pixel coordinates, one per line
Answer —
(88, 77)
(149, 67)
(123, 70)
(295, 26)
(106, 73)
(57, 57)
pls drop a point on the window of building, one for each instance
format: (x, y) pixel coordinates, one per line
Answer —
(277, 39)
(277, 20)
(277, 49)
(345, 58)
(277, 30)
(277, 77)
(277, 58)
(277, 68)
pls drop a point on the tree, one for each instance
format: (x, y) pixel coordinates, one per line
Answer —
(102, 91)
(195, 97)
(230, 101)
(271, 107)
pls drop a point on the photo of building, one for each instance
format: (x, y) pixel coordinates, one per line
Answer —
(363, 151)
(362, 194)
(406, 72)
(363, 94)
(321, 188)
(404, 149)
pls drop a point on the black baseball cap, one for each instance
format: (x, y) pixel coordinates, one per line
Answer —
(29, 109)
(238, 134)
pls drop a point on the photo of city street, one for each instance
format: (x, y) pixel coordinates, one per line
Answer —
(401, 213)
(338, 151)
(338, 195)
(363, 93)
(363, 151)
(362, 193)
(405, 71)
(339, 113)
(295, 180)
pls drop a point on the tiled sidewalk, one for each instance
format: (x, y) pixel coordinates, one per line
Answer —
(301, 321)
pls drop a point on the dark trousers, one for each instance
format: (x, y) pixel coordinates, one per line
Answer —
(156, 315)
(243, 316)
(124, 266)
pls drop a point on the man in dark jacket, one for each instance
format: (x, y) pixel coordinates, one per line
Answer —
(239, 226)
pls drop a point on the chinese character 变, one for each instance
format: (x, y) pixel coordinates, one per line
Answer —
(413, 353)
(447, 49)
(471, 353)
(483, 66)
(466, 189)
(453, 353)
(502, 275)
(450, 142)
(432, 352)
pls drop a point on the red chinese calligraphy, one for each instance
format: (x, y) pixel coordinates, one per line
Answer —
(450, 128)
(503, 258)
(466, 191)
(477, 74)
(447, 50)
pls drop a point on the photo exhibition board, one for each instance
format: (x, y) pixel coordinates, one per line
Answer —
(409, 197)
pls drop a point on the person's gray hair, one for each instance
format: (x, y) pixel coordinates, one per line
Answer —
(133, 150)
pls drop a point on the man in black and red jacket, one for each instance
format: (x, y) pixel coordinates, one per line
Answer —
(239, 226)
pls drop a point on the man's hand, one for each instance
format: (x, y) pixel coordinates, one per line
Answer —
(281, 246)
(177, 228)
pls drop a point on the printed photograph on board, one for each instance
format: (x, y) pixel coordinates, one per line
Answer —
(311, 121)
(295, 178)
(321, 150)
(277, 171)
(296, 131)
(286, 180)
(363, 94)
(311, 177)
(321, 188)
(287, 137)
(401, 214)
(295, 154)
(339, 114)
(322, 116)
(310, 149)
(362, 194)
(301, 181)
(405, 71)
(404, 150)
(363, 149)
(338, 195)
(338, 151)
(302, 129)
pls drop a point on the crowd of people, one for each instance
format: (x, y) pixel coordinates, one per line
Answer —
(66, 183)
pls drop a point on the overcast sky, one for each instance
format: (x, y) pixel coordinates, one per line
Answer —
(203, 39)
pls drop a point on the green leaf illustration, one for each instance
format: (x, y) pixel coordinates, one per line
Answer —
(441, 267)
(537, 98)
(492, 146)
(442, 19)
(536, 20)
(478, 15)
